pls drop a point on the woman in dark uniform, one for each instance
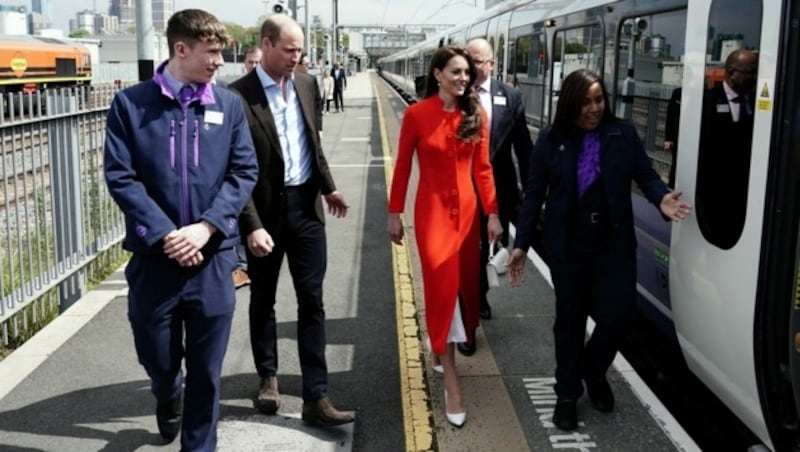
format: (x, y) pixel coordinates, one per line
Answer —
(582, 168)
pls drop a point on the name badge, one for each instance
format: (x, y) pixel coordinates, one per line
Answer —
(723, 108)
(499, 100)
(214, 117)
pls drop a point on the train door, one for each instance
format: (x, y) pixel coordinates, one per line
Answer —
(724, 145)
(777, 310)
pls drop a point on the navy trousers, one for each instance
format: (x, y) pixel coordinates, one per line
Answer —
(303, 242)
(601, 284)
(167, 302)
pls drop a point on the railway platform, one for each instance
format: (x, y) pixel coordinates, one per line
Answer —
(77, 385)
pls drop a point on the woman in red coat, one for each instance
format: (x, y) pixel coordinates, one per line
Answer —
(449, 132)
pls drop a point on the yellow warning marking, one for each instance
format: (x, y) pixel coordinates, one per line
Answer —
(765, 91)
(417, 417)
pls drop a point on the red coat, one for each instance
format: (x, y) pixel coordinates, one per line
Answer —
(446, 210)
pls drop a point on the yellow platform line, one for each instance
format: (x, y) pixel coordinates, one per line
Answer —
(417, 416)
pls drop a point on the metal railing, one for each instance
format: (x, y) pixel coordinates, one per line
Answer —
(56, 215)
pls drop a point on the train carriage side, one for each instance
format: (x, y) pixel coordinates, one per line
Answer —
(734, 307)
(683, 276)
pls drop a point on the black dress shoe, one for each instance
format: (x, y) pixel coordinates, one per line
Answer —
(168, 417)
(485, 311)
(323, 413)
(466, 349)
(600, 394)
(565, 416)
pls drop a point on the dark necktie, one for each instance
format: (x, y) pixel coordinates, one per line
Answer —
(745, 109)
(588, 162)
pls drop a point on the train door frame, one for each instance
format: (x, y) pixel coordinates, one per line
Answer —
(778, 356)
(713, 290)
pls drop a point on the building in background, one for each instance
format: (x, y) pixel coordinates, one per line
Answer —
(162, 10)
(37, 22)
(125, 10)
(13, 20)
(105, 24)
(84, 20)
(42, 8)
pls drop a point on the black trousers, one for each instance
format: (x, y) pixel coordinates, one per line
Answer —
(338, 100)
(303, 242)
(602, 285)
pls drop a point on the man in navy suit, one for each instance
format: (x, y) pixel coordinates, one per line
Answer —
(339, 84)
(506, 114)
(724, 152)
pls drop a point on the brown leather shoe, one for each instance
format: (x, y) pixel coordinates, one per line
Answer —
(323, 413)
(240, 278)
(268, 399)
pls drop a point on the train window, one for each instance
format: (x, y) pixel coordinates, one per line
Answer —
(726, 130)
(649, 78)
(529, 74)
(575, 48)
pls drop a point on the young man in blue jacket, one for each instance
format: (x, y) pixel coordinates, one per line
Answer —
(180, 163)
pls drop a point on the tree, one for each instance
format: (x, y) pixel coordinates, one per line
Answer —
(244, 36)
(80, 33)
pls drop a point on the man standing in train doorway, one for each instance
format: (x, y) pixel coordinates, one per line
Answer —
(507, 129)
(723, 164)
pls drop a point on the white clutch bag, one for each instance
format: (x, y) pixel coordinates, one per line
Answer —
(496, 266)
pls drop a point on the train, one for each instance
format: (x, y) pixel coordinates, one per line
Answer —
(732, 308)
(33, 63)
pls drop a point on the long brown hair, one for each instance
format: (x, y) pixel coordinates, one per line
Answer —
(572, 97)
(468, 102)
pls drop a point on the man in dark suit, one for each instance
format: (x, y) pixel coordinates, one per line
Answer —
(723, 164)
(285, 216)
(506, 114)
(339, 84)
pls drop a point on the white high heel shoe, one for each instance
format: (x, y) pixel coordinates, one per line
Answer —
(455, 419)
(436, 367)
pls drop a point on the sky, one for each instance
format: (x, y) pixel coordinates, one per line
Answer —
(351, 12)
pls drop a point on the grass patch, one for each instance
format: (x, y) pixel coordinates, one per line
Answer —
(36, 315)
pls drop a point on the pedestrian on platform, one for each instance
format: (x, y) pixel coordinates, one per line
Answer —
(339, 85)
(582, 168)
(327, 89)
(507, 127)
(285, 216)
(179, 161)
(449, 133)
(251, 58)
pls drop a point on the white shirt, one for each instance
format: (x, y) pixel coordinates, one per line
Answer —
(731, 94)
(485, 94)
(291, 129)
